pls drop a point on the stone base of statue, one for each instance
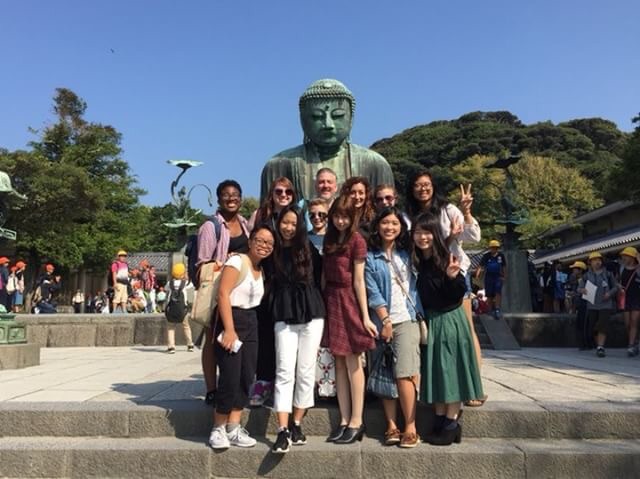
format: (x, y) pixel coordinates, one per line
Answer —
(516, 294)
(17, 356)
(15, 353)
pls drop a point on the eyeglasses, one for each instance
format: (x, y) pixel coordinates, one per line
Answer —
(388, 199)
(264, 243)
(320, 214)
(422, 186)
(230, 197)
(282, 191)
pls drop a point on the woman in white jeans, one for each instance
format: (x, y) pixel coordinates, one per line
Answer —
(296, 305)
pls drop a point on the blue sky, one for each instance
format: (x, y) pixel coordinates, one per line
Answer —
(218, 81)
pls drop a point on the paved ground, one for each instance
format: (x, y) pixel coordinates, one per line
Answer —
(145, 374)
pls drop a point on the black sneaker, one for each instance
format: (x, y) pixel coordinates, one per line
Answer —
(600, 352)
(297, 436)
(283, 441)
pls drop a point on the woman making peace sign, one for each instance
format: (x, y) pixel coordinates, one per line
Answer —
(450, 373)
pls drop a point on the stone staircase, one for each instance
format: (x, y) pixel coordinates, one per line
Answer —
(169, 439)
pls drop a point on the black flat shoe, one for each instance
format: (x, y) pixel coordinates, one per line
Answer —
(337, 433)
(351, 435)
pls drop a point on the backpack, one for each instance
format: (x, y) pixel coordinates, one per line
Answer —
(191, 250)
(176, 308)
(12, 284)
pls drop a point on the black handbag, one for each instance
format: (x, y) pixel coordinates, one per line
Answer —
(382, 381)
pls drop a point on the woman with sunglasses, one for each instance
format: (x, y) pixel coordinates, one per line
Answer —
(281, 194)
(318, 213)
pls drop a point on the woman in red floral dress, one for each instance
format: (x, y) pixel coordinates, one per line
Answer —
(348, 330)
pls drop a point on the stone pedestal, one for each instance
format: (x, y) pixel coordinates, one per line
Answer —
(15, 353)
(516, 294)
(17, 356)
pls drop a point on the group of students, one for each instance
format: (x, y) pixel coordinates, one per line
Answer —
(610, 292)
(351, 272)
(12, 284)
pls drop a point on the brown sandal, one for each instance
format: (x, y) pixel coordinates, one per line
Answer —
(476, 402)
(392, 437)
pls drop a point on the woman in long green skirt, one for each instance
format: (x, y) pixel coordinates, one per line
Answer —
(450, 373)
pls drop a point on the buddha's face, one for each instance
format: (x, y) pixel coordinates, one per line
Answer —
(326, 123)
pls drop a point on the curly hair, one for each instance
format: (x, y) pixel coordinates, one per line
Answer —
(366, 213)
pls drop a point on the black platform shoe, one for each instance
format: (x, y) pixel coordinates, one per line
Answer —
(337, 433)
(446, 436)
(351, 435)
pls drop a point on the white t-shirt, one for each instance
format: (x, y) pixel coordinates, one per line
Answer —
(398, 309)
(249, 292)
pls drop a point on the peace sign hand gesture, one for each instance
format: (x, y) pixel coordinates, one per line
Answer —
(453, 268)
(466, 200)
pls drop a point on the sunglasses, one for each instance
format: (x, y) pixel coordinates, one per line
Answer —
(320, 214)
(282, 191)
(388, 199)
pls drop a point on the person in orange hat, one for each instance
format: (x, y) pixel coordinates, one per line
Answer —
(48, 285)
(4, 280)
(18, 297)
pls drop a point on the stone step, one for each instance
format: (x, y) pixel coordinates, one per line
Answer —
(185, 418)
(191, 457)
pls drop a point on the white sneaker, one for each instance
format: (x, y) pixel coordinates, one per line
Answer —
(240, 437)
(218, 438)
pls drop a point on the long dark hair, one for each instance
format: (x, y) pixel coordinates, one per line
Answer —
(366, 213)
(438, 201)
(300, 252)
(343, 205)
(431, 222)
(401, 242)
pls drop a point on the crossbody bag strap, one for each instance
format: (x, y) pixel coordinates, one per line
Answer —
(631, 278)
(396, 276)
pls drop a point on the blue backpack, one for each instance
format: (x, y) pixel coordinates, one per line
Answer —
(191, 250)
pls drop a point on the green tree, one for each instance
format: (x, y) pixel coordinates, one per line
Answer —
(249, 205)
(551, 193)
(624, 184)
(82, 200)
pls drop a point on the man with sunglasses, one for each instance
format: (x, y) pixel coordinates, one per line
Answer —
(318, 214)
(386, 196)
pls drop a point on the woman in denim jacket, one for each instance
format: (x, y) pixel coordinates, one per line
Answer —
(392, 298)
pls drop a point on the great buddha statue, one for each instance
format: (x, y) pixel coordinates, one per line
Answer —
(326, 115)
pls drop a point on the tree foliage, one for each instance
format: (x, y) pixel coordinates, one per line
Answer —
(82, 200)
(594, 146)
(550, 193)
(624, 184)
